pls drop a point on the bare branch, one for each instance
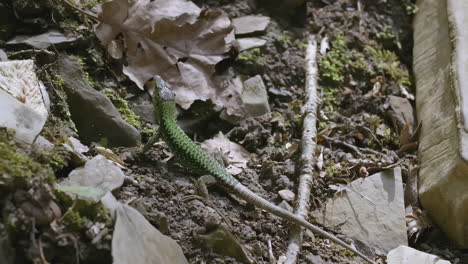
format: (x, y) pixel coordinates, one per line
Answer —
(309, 133)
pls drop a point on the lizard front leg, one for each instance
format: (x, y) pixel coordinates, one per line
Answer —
(152, 140)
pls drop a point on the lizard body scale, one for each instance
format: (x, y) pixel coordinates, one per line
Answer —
(192, 155)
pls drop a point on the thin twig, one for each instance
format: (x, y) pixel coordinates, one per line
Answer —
(309, 134)
(271, 256)
(41, 253)
(358, 150)
(79, 10)
(75, 244)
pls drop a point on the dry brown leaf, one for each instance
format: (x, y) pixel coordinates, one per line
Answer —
(172, 38)
(405, 134)
(417, 222)
(324, 133)
(236, 156)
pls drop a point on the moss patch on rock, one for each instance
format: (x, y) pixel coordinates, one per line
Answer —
(124, 109)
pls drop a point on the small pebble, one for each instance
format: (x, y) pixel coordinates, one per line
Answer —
(287, 195)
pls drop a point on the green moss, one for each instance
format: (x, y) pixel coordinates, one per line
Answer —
(386, 34)
(57, 159)
(57, 125)
(301, 45)
(331, 170)
(330, 98)
(124, 109)
(80, 211)
(410, 8)
(104, 142)
(346, 253)
(388, 136)
(387, 63)
(74, 221)
(339, 59)
(285, 39)
(333, 64)
(18, 168)
(92, 3)
(14, 163)
(86, 75)
(148, 131)
(251, 55)
(58, 81)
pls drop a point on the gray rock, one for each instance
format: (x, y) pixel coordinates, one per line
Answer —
(440, 68)
(8, 22)
(223, 242)
(287, 195)
(93, 113)
(41, 144)
(248, 43)
(26, 121)
(143, 107)
(402, 109)
(255, 97)
(44, 40)
(407, 255)
(286, 206)
(3, 55)
(7, 252)
(76, 150)
(315, 259)
(250, 24)
(370, 210)
(98, 172)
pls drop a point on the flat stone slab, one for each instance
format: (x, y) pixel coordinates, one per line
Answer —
(255, 97)
(441, 74)
(407, 255)
(248, 43)
(370, 210)
(250, 24)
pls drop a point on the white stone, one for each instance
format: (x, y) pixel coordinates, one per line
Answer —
(248, 43)
(407, 255)
(441, 70)
(370, 210)
(287, 195)
(98, 172)
(255, 97)
(22, 104)
(20, 117)
(250, 24)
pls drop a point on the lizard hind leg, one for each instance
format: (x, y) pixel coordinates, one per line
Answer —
(201, 187)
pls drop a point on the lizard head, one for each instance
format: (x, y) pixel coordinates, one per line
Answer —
(163, 89)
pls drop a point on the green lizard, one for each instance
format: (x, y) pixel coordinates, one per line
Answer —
(203, 163)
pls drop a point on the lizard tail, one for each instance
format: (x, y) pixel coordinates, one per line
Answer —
(246, 194)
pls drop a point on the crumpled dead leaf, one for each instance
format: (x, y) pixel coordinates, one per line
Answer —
(23, 106)
(19, 79)
(135, 240)
(174, 39)
(235, 155)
